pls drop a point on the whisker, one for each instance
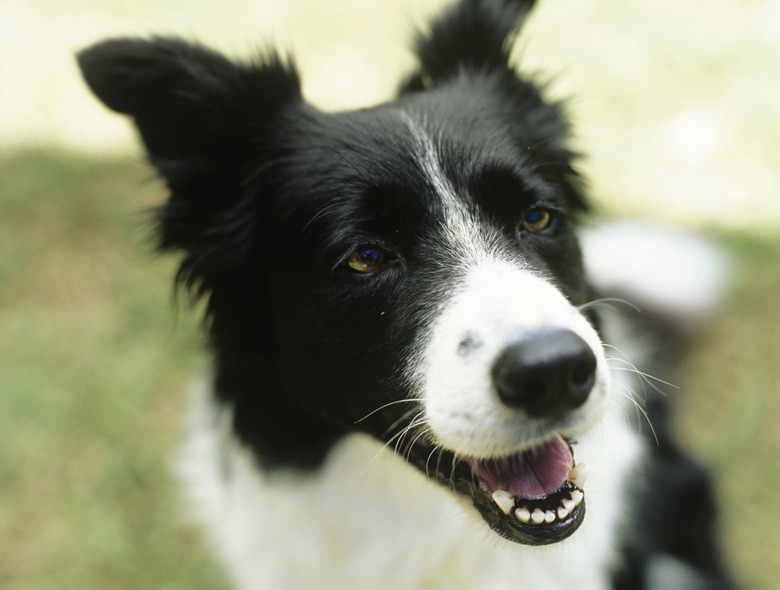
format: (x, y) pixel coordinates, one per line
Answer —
(337, 204)
(403, 417)
(418, 420)
(452, 471)
(542, 141)
(640, 411)
(357, 171)
(428, 460)
(630, 367)
(387, 405)
(606, 302)
(414, 442)
(438, 461)
(621, 409)
(321, 213)
(646, 377)
(397, 436)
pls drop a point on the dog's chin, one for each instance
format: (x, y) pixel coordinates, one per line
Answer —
(534, 496)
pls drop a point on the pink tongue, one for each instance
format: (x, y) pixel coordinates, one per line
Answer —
(531, 474)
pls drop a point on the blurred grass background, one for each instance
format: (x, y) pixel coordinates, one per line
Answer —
(676, 103)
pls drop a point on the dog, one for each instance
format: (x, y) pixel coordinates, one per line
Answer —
(408, 350)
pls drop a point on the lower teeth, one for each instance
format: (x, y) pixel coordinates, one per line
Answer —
(536, 515)
(525, 515)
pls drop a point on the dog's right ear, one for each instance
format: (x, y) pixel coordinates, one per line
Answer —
(203, 120)
(186, 100)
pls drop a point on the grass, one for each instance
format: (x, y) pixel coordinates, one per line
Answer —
(94, 367)
(729, 408)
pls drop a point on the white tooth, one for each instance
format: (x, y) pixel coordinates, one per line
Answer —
(538, 516)
(562, 513)
(579, 474)
(549, 516)
(505, 500)
(522, 514)
(577, 496)
(568, 504)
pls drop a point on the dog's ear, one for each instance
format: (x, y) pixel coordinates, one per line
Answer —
(472, 35)
(203, 119)
(475, 38)
(187, 101)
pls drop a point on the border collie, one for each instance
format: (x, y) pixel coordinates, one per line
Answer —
(407, 353)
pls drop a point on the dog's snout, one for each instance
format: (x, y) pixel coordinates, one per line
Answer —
(545, 374)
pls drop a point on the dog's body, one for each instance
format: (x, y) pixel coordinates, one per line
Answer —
(407, 351)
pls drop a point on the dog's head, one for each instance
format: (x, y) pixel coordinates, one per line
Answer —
(408, 270)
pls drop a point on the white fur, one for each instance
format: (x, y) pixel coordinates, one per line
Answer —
(463, 237)
(497, 304)
(368, 521)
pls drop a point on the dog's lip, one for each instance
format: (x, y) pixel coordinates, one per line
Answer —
(534, 522)
(533, 496)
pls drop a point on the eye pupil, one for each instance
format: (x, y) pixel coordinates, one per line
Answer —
(365, 260)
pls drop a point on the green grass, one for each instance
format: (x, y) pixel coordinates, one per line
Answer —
(729, 408)
(94, 367)
(93, 370)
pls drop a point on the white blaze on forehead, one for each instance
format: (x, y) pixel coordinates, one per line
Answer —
(428, 157)
(461, 233)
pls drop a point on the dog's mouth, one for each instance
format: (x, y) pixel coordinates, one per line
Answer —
(534, 497)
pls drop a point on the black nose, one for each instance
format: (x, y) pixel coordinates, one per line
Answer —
(545, 374)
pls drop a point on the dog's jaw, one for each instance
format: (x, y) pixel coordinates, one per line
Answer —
(531, 519)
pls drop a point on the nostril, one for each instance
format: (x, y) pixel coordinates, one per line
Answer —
(546, 373)
(584, 373)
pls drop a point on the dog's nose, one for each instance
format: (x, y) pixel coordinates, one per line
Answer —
(545, 374)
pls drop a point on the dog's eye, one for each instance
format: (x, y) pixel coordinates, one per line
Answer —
(365, 260)
(537, 219)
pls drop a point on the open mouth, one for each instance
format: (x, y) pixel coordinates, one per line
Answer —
(533, 497)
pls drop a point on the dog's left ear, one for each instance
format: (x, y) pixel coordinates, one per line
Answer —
(204, 120)
(474, 38)
(471, 35)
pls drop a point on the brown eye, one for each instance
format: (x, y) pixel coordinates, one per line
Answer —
(365, 260)
(537, 220)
